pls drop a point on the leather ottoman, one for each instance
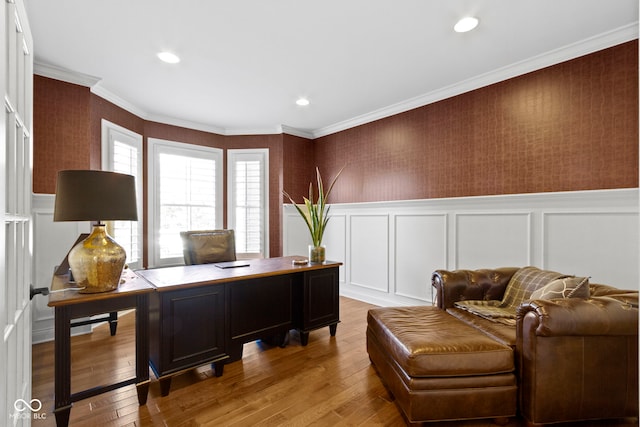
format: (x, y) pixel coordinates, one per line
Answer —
(438, 368)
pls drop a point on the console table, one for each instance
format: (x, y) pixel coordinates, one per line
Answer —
(204, 314)
(68, 304)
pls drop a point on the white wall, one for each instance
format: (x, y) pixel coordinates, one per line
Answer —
(51, 242)
(390, 249)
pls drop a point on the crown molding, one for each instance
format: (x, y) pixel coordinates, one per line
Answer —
(120, 102)
(297, 132)
(584, 47)
(556, 56)
(62, 74)
(257, 131)
(276, 130)
(173, 121)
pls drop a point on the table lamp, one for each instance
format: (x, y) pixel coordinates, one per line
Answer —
(96, 263)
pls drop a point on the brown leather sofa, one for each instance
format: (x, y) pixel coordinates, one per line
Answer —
(575, 359)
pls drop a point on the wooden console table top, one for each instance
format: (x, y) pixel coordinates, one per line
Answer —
(65, 293)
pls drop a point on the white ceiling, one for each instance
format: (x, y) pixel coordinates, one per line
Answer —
(245, 62)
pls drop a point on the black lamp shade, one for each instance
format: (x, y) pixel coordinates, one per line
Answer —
(92, 195)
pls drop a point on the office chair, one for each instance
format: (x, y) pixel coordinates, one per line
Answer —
(208, 246)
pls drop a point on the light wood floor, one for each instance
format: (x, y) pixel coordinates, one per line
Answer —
(330, 382)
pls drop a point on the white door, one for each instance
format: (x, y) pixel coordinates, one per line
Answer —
(16, 81)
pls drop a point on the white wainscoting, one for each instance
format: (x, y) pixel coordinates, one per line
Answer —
(390, 249)
(51, 242)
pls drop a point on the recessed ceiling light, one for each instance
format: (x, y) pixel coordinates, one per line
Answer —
(303, 102)
(466, 24)
(168, 57)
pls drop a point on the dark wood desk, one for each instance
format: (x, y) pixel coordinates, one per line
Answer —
(69, 305)
(204, 314)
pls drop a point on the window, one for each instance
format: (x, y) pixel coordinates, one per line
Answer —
(185, 193)
(248, 195)
(122, 153)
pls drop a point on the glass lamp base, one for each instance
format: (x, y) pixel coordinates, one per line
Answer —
(97, 262)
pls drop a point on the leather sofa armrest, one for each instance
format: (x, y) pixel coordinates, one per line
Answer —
(601, 315)
(460, 285)
(574, 352)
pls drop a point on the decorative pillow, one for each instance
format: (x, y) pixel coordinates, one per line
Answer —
(524, 282)
(568, 287)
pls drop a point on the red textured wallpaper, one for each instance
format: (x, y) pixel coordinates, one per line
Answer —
(61, 133)
(572, 126)
(297, 166)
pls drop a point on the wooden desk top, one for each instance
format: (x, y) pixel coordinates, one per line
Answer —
(64, 293)
(185, 276)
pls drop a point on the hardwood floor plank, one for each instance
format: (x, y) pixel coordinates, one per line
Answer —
(330, 382)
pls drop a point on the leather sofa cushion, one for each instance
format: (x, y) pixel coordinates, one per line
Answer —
(504, 334)
(428, 342)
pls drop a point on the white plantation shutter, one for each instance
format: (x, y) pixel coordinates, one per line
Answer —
(122, 153)
(248, 208)
(126, 232)
(185, 193)
(247, 199)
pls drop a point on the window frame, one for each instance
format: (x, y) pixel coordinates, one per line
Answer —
(110, 133)
(155, 147)
(262, 155)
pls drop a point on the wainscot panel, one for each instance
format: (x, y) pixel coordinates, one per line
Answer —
(493, 238)
(369, 252)
(420, 244)
(389, 249)
(604, 238)
(51, 242)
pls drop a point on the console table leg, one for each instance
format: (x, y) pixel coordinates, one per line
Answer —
(143, 391)
(62, 375)
(62, 416)
(142, 347)
(332, 329)
(113, 322)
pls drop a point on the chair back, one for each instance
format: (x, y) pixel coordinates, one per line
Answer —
(208, 246)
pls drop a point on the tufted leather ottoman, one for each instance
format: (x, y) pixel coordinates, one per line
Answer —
(438, 368)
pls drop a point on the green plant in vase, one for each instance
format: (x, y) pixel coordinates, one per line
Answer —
(316, 216)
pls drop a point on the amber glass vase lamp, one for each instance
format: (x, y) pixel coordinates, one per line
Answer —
(97, 262)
